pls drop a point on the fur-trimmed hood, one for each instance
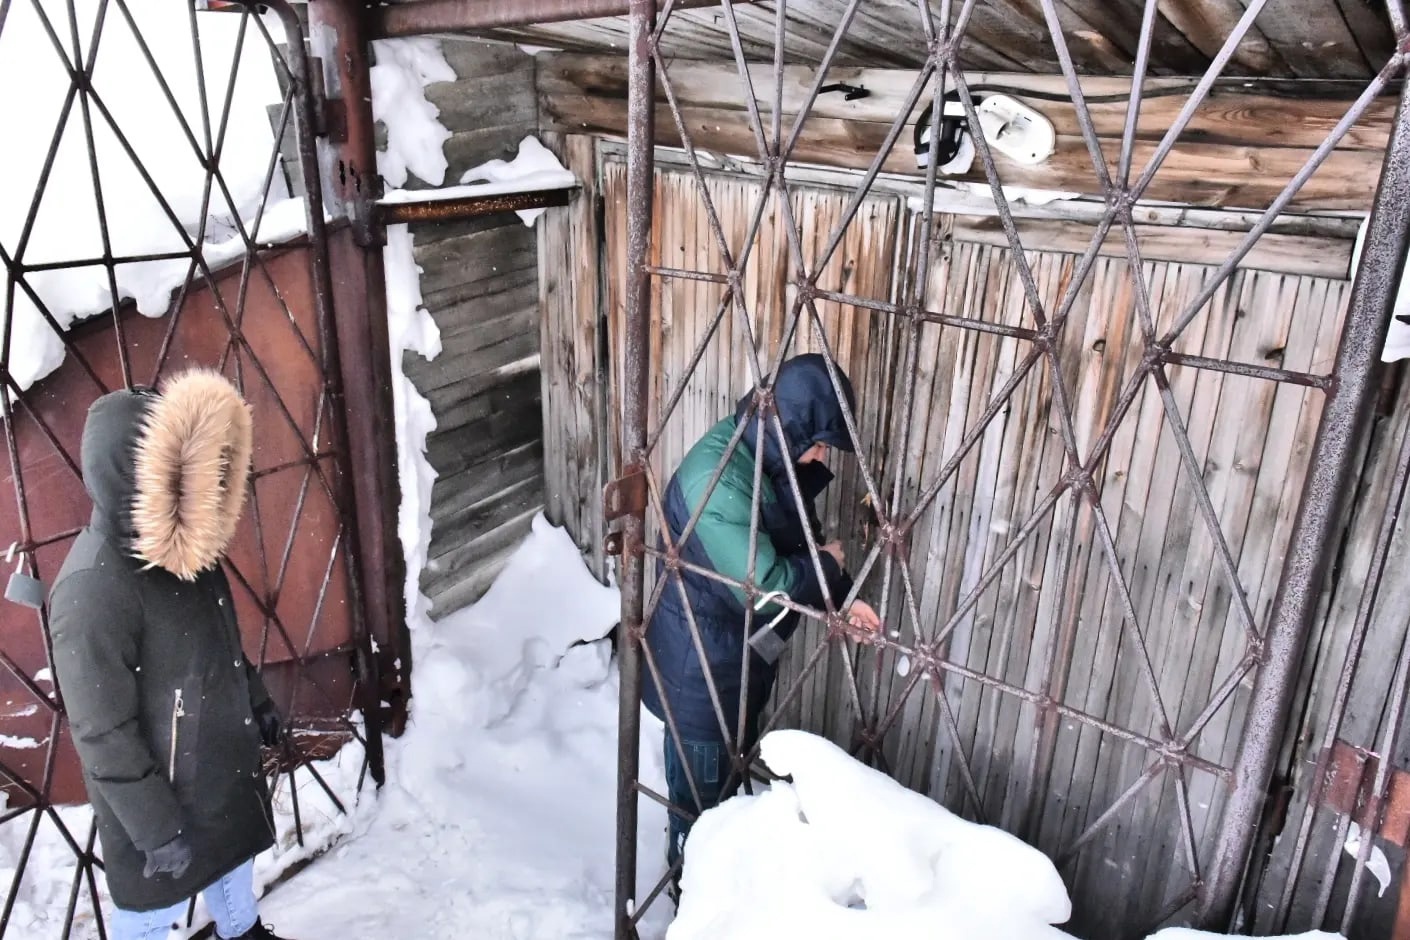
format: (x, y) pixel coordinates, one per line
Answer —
(167, 472)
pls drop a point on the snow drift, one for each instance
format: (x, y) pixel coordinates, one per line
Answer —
(498, 817)
(839, 851)
(843, 851)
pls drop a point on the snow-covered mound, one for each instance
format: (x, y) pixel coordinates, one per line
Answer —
(845, 852)
(840, 851)
(498, 818)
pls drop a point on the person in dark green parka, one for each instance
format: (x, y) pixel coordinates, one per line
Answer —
(167, 712)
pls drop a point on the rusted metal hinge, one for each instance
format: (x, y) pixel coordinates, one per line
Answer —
(330, 115)
(622, 497)
(1348, 777)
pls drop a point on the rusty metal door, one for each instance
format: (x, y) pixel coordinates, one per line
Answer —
(244, 254)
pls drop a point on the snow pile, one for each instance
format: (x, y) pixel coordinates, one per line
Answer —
(412, 330)
(794, 861)
(498, 817)
(839, 851)
(67, 226)
(533, 168)
(43, 895)
(415, 134)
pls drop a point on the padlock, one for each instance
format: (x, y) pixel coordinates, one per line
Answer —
(766, 643)
(23, 588)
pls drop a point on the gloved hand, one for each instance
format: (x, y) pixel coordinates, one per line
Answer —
(170, 859)
(271, 726)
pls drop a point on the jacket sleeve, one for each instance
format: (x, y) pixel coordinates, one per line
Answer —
(724, 534)
(96, 624)
(259, 694)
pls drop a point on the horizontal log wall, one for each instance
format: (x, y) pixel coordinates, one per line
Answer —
(479, 281)
(1239, 151)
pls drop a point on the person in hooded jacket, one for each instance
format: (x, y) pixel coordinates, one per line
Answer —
(167, 712)
(812, 418)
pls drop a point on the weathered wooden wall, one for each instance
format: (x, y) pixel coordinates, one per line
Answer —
(574, 373)
(1250, 437)
(479, 282)
(1240, 149)
(488, 109)
(1325, 863)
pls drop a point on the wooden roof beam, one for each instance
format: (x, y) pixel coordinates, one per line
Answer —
(454, 16)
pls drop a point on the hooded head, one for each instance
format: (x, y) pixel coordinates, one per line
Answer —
(167, 472)
(808, 407)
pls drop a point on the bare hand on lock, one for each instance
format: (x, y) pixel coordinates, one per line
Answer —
(863, 619)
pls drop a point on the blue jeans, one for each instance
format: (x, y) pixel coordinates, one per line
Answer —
(709, 763)
(231, 901)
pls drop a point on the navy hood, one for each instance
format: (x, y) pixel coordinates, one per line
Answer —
(808, 407)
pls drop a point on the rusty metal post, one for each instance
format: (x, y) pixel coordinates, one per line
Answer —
(349, 176)
(305, 107)
(641, 136)
(1319, 519)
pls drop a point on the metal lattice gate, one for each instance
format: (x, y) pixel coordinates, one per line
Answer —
(1256, 649)
(257, 311)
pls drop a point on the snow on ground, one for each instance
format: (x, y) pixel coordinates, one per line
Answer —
(797, 861)
(43, 896)
(498, 818)
(66, 228)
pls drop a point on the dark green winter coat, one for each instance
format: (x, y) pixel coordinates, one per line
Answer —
(159, 694)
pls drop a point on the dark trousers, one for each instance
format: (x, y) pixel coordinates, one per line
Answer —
(709, 763)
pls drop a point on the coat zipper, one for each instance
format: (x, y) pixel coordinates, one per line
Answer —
(178, 711)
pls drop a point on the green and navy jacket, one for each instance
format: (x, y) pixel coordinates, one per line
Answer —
(810, 413)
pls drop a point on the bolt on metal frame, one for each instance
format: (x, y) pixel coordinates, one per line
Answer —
(321, 466)
(1271, 653)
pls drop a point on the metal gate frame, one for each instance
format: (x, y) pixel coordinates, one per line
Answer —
(1273, 655)
(327, 450)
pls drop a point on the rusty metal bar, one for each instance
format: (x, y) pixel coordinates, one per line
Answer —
(1249, 370)
(1275, 209)
(641, 135)
(449, 16)
(304, 109)
(470, 207)
(1396, 9)
(360, 305)
(1313, 542)
(684, 275)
